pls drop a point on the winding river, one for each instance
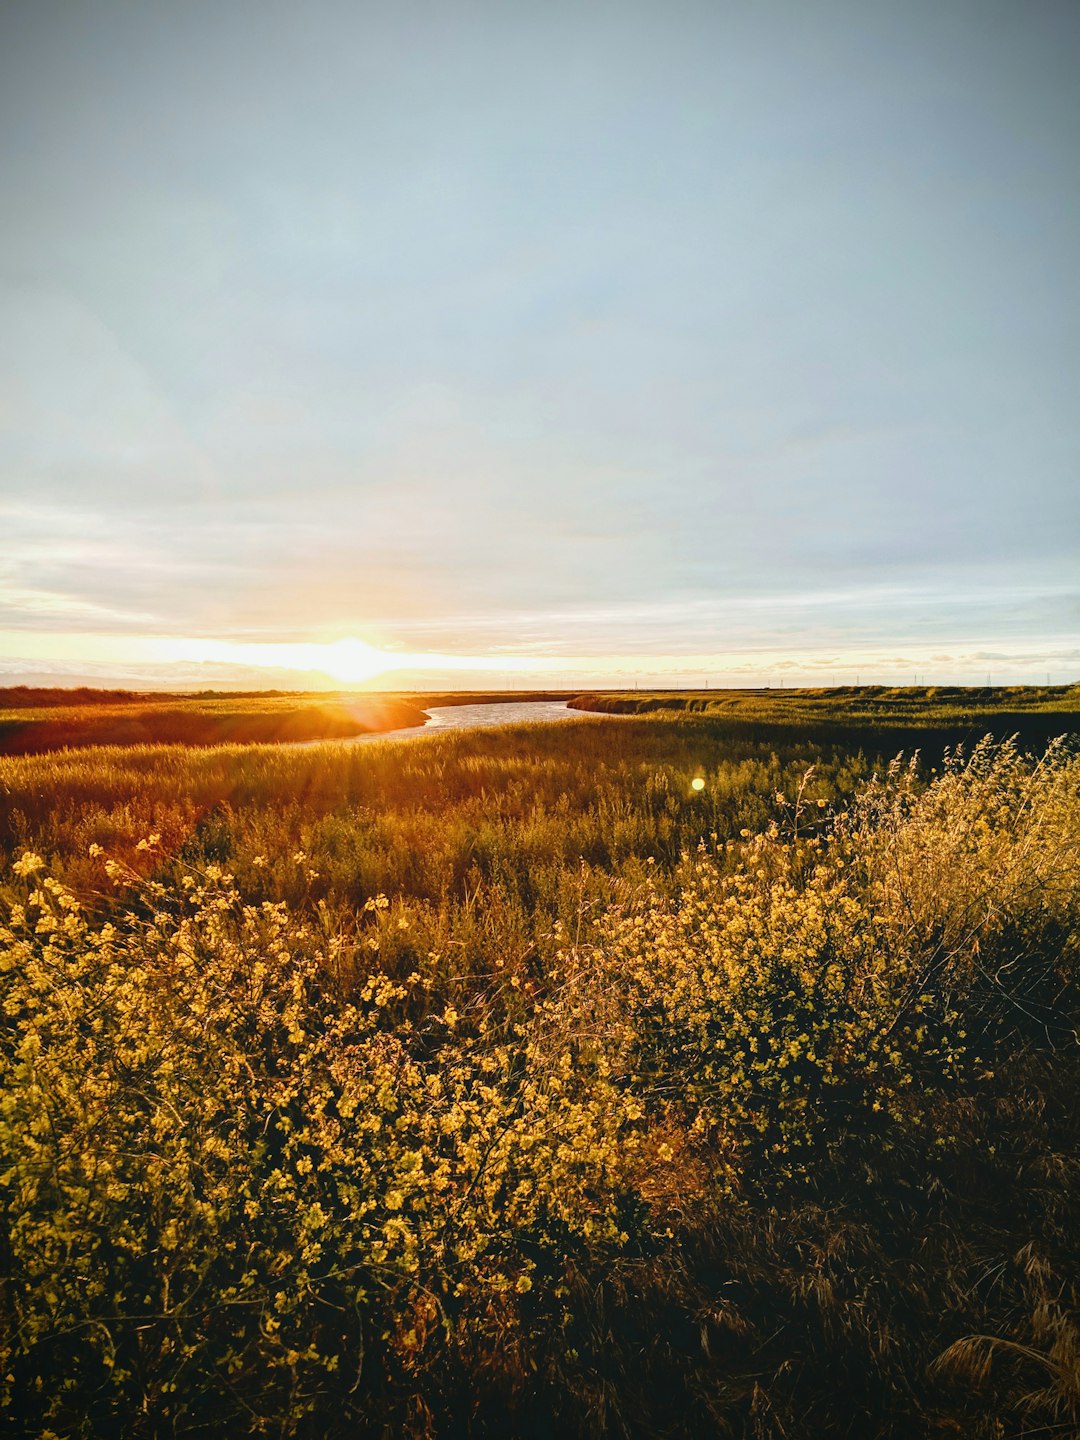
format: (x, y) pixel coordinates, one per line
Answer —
(475, 717)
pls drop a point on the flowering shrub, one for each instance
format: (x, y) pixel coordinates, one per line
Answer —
(223, 1182)
(824, 982)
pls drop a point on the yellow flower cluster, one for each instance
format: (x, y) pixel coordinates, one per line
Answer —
(825, 987)
(208, 1154)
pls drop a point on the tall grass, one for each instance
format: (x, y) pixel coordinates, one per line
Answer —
(35, 722)
(932, 718)
(507, 1084)
(481, 842)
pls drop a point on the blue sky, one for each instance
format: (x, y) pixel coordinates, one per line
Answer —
(599, 339)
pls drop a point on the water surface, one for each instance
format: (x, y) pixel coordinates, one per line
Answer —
(476, 717)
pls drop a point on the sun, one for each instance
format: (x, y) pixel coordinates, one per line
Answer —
(348, 661)
(351, 661)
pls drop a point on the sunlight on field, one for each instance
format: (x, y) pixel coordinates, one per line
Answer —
(400, 1062)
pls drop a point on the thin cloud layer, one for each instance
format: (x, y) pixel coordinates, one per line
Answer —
(621, 334)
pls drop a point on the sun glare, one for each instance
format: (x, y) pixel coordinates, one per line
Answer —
(350, 661)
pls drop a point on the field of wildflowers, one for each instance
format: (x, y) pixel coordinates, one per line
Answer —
(508, 1084)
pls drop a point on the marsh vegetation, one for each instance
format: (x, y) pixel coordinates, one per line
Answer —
(35, 721)
(506, 1083)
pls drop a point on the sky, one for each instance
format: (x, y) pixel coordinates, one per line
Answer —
(539, 344)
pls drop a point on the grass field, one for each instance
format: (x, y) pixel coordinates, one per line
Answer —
(691, 1073)
(913, 715)
(35, 721)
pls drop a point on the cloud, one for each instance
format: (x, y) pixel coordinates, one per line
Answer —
(716, 330)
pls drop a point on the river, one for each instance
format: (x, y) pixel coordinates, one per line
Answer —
(476, 717)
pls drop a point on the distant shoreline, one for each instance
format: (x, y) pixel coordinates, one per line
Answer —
(37, 721)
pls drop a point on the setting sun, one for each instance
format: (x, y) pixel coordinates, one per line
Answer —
(350, 661)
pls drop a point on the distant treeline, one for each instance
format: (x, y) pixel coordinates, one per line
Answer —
(35, 697)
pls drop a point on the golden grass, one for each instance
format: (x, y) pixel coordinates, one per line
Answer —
(33, 722)
(396, 1091)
